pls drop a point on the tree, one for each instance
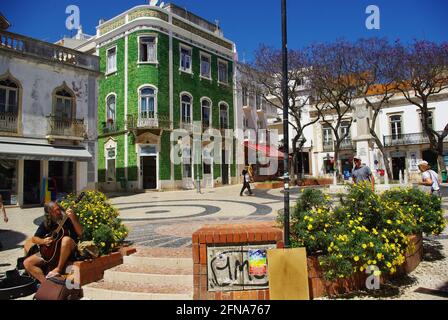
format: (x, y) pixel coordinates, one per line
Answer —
(335, 84)
(422, 75)
(377, 83)
(265, 74)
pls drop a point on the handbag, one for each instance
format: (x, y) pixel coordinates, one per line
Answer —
(56, 289)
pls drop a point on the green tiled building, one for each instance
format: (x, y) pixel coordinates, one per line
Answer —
(164, 68)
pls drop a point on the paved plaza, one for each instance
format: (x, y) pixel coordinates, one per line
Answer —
(165, 221)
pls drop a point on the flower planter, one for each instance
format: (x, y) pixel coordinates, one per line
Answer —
(269, 185)
(93, 270)
(319, 286)
(316, 182)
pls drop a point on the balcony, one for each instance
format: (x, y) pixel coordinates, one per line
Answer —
(66, 129)
(148, 121)
(47, 51)
(8, 122)
(406, 139)
(108, 128)
(346, 144)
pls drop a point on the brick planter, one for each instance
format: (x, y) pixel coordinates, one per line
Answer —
(269, 185)
(93, 270)
(320, 287)
(316, 182)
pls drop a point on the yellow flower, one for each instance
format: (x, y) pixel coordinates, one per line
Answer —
(389, 221)
(356, 258)
(310, 227)
(371, 244)
(379, 256)
(361, 269)
(389, 265)
(364, 246)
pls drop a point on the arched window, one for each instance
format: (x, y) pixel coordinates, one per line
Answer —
(111, 108)
(147, 103)
(64, 108)
(206, 113)
(9, 96)
(186, 109)
(223, 116)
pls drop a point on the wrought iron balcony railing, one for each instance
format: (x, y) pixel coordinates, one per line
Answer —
(148, 120)
(8, 122)
(405, 139)
(68, 128)
(346, 144)
(110, 128)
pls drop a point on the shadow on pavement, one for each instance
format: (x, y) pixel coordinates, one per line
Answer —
(11, 239)
(432, 250)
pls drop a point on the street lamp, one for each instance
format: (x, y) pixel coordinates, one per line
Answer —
(285, 125)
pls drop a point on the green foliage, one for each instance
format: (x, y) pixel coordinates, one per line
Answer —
(99, 219)
(364, 229)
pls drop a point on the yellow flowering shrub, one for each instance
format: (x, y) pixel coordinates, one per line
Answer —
(365, 229)
(100, 220)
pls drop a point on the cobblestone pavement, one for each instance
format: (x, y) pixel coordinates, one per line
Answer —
(166, 220)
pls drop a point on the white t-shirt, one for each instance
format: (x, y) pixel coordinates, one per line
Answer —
(246, 177)
(430, 174)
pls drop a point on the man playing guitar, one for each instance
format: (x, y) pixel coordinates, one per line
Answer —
(72, 231)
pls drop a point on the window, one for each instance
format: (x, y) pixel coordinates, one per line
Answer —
(186, 109)
(327, 135)
(429, 119)
(395, 127)
(9, 97)
(185, 59)
(110, 109)
(223, 116)
(206, 114)
(205, 66)
(147, 49)
(110, 162)
(111, 61)
(245, 122)
(258, 101)
(222, 72)
(186, 162)
(245, 97)
(64, 105)
(344, 129)
(147, 103)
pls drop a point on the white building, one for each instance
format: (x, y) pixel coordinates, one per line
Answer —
(399, 126)
(253, 116)
(48, 99)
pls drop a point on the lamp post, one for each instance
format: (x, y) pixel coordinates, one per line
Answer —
(285, 125)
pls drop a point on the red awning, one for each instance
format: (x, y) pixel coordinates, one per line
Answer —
(267, 150)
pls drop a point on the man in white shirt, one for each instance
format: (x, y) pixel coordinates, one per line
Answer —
(246, 182)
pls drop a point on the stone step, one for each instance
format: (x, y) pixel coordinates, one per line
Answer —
(153, 267)
(104, 290)
(164, 252)
(159, 262)
(148, 278)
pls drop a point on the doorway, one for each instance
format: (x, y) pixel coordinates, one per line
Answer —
(224, 168)
(149, 172)
(61, 179)
(398, 165)
(31, 182)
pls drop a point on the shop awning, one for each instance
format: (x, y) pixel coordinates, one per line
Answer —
(42, 152)
(266, 150)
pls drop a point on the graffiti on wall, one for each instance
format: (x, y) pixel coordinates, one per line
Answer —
(238, 267)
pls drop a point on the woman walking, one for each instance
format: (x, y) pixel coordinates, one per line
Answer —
(246, 182)
(429, 178)
(5, 217)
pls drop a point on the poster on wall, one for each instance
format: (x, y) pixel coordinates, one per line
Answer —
(257, 262)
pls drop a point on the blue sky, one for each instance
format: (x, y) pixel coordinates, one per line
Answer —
(251, 22)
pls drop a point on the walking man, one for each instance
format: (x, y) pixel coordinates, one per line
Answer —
(362, 173)
(246, 182)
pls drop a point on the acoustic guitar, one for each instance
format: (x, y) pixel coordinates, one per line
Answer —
(51, 251)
